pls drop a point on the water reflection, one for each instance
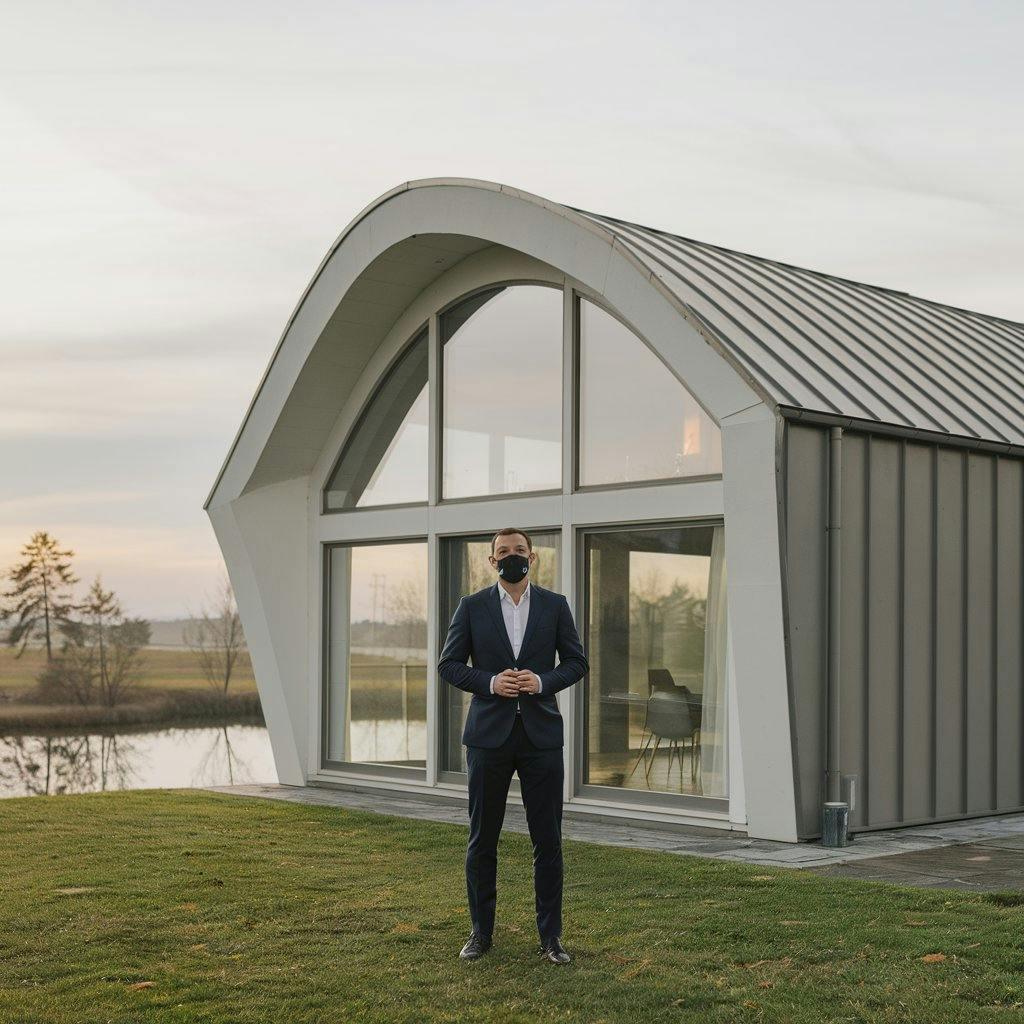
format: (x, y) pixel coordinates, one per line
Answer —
(164, 758)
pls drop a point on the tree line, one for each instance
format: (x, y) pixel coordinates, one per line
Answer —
(99, 658)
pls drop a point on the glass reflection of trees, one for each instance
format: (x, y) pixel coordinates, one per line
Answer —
(672, 620)
(376, 698)
(646, 630)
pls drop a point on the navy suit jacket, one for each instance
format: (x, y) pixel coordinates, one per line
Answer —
(477, 632)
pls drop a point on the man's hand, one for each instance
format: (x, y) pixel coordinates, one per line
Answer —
(527, 681)
(506, 683)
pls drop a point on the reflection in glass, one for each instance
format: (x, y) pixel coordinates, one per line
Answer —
(502, 392)
(656, 641)
(637, 422)
(465, 570)
(377, 655)
(384, 461)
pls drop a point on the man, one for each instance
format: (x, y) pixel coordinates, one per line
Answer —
(512, 630)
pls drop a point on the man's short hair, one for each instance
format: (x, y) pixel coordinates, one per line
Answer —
(508, 531)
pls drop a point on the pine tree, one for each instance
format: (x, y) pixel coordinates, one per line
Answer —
(39, 599)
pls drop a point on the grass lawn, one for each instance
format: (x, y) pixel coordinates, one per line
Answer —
(189, 906)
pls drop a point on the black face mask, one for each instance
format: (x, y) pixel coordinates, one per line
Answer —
(513, 568)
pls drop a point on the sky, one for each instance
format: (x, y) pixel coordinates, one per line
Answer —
(171, 175)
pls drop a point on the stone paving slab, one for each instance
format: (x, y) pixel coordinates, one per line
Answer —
(984, 866)
(982, 853)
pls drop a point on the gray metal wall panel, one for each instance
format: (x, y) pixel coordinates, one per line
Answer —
(931, 652)
(918, 692)
(949, 635)
(882, 636)
(1009, 632)
(979, 700)
(854, 696)
(806, 545)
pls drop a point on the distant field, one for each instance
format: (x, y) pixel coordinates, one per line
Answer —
(163, 669)
(171, 688)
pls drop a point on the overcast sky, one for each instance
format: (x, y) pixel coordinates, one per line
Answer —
(172, 173)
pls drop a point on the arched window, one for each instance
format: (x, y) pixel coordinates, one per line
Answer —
(502, 392)
(506, 410)
(384, 461)
(636, 421)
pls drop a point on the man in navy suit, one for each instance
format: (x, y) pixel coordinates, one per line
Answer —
(511, 630)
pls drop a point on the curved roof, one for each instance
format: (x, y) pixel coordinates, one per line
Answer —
(830, 345)
(795, 338)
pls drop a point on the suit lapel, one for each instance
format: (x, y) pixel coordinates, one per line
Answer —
(536, 610)
(493, 603)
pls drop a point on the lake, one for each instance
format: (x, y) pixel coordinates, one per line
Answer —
(164, 757)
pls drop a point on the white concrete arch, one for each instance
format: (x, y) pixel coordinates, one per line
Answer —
(467, 212)
(367, 291)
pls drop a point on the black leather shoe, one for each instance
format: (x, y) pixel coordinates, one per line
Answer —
(553, 949)
(475, 947)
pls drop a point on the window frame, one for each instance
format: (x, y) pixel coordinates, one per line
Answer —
(673, 501)
(364, 410)
(437, 468)
(447, 774)
(577, 401)
(391, 771)
(607, 794)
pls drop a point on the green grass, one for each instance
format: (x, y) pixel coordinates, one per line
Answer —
(161, 906)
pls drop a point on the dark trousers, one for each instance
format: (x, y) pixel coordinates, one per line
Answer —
(540, 779)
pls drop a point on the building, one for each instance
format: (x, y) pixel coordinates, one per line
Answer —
(785, 507)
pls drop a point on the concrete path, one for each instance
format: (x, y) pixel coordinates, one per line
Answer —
(982, 853)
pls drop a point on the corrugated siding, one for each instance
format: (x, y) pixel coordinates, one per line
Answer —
(826, 344)
(932, 618)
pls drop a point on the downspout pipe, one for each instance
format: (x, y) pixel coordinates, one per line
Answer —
(835, 813)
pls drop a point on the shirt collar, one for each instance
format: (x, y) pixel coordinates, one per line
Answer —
(506, 596)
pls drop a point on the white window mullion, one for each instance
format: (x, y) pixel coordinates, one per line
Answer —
(434, 371)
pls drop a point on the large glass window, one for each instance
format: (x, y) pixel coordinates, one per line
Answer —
(376, 706)
(385, 459)
(636, 421)
(655, 635)
(502, 392)
(464, 570)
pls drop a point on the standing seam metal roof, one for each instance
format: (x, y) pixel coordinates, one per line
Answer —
(830, 345)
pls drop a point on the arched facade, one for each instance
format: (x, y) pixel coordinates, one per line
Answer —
(382, 450)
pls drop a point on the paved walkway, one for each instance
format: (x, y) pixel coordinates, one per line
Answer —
(982, 853)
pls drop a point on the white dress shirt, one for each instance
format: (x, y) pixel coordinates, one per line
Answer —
(515, 616)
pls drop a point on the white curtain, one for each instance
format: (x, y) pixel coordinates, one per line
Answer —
(715, 713)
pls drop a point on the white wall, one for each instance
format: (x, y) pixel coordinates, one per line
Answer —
(265, 542)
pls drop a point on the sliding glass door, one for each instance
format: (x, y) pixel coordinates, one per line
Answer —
(654, 701)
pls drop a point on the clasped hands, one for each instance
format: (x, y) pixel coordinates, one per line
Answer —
(512, 682)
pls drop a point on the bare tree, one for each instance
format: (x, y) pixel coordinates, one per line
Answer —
(216, 638)
(101, 655)
(39, 597)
